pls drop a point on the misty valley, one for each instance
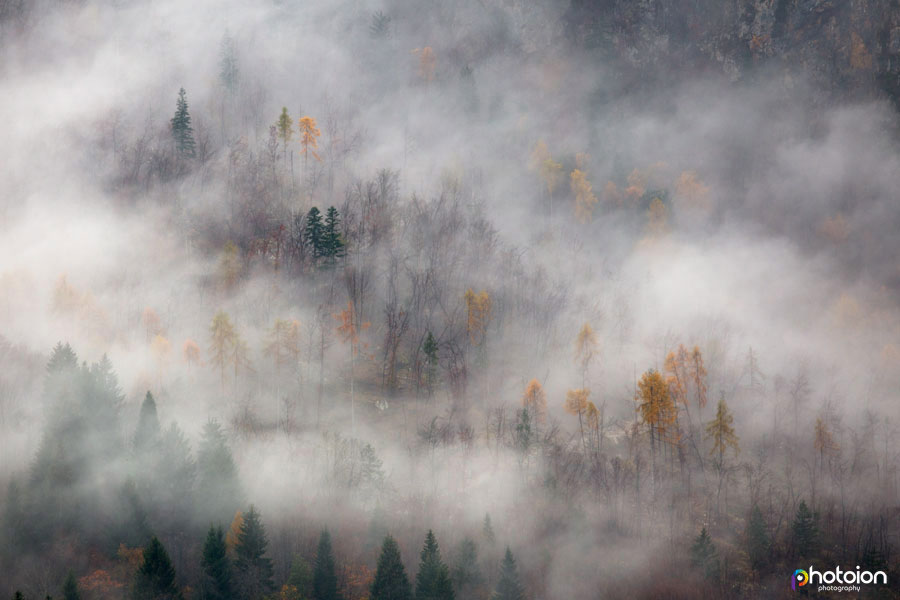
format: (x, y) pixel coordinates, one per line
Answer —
(449, 300)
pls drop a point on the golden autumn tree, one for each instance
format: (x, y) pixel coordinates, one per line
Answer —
(349, 331)
(534, 400)
(697, 373)
(427, 63)
(309, 139)
(478, 315)
(234, 532)
(551, 171)
(283, 346)
(824, 442)
(656, 409)
(692, 191)
(151, 323)
(611, 195)
(577, 404)
(585, 349)
(593, 416)
(221, 334)
(230, 265)
(584, 196)
(539, 154)
(721, 431)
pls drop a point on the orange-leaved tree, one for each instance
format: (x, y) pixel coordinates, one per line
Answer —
(535, 402)
(656, 408)
(309, 139)
(577, 404)
(585, 200)
(478, 315)
(349, 330)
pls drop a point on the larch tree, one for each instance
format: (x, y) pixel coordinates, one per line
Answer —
(427, 64)
(551, 171)
(721, 432)
(349, 331)
(191, 353)
(222, 334)
(182, 132)
(391, 582)
(657, 218)
(656, 409)
(577, 404)
(309, 139)
(585, 200)
(534, 400)
(285, 128)
(585, 350)
(478, 315)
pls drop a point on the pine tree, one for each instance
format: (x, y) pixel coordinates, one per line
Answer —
(182, 132)
(466, 574)
(314, 232)
(391, 582)
(70, 588)
(806, 531)
(703, 555)
(433, 578)
(216, 567)
(508, 587)
(332, 244)
(147, 431)
(757, 540)
(430, 348)
(155, 579)
(325, 585)
(254, 569)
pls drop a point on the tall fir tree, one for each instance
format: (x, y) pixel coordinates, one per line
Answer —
(433, 579)
(70, 588)
(466, 574)
(254, 570)
(147, 432)
(155, 579)
(757, 540)
(314, 233)
(182, 132)
(508, 586)
(332, 244)
(325, 584)
(703, 555)
(806, 532)
(217, 576)
(218, 491)
(391, 582)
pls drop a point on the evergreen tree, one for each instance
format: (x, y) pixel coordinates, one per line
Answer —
(430, 348)
(18, 596)
(487, 530)
(433, 578)
(332, 244)
(147, 431)
(62, 358)
(703, 555)
(508, 587)
(182, 132)
(155, 579)
(391, 582)
(325, 586)
(806, 532)
(757, 540)
(218, 490)
(314, 232)
(70, 588)
(216, 583)
(228, 64)
(466, 574)
(254, 569)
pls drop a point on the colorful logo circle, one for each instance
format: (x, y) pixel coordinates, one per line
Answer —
(799, 579)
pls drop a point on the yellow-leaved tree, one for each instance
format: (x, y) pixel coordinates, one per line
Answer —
(585, 349)
(584, 196)
(191, 352)
(656, 409)
(721, 431)
(221, 334)
(577, 404)
(309, 140)
(535, 402)
(478, 315)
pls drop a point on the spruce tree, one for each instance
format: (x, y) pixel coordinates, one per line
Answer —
(70, 588)
(147, 431)
(703, 555)
(508, 587)
(217, 584)
(466, 575)
(155, 579)
(254, 569)
(433, 578)
(325, 585)
(757, 540)
(182, 132)
(333, 245)
(430, 348)
(487, 530)
(391, 582)
(218, 489)
(805, 531)
(314, 232)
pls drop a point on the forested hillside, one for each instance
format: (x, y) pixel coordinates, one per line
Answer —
(395, 299)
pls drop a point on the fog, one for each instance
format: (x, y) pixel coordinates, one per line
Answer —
(751, 214)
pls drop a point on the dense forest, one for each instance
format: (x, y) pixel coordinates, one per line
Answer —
(436, 300)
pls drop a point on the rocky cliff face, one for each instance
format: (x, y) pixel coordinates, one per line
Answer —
(845, 46)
